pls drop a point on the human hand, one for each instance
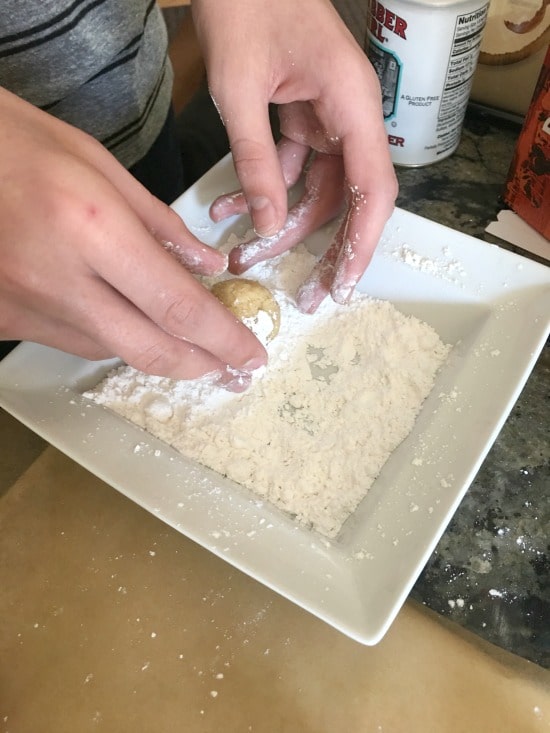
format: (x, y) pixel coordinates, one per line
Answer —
(301, 57)
(85, 266)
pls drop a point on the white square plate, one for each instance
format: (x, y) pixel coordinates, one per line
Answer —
(492, 305)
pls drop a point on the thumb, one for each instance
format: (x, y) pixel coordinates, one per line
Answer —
(256, 160)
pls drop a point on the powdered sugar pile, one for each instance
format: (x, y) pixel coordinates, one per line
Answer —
(342, 389)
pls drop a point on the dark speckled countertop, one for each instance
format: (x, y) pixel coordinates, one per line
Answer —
(491, 569)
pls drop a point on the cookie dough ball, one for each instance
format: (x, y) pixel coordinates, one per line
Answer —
(253, 304)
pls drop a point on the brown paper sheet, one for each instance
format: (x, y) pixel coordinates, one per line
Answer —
(113, 621)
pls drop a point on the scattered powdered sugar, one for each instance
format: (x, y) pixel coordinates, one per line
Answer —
(342, 389)
(445, 267)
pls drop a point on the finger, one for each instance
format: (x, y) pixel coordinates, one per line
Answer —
(229, 204)
(245, 113)
(371, 192)
(361, 229)
(29, 325)
(161, 220)
(59, 334)
(197, 257)
(131, 261)
(292, 158)
(184, 310)
(321, 202)
(115, 322)
(317, 286)
(299, 122)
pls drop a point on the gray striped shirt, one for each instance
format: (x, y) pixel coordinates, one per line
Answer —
(100, 65)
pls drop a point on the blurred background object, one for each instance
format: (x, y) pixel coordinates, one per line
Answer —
(514, 44)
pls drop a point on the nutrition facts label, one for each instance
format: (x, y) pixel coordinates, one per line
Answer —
(425, 54)
(460, 70)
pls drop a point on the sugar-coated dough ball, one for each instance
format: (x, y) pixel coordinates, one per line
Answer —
(252, 303)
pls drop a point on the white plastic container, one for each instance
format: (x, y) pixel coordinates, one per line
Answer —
(425, 54)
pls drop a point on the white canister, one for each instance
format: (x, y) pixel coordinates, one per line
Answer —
(425, 54)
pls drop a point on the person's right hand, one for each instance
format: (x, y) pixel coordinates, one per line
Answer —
(301, 57)
(83, 267)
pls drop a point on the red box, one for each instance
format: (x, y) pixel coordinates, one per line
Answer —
(527, 189)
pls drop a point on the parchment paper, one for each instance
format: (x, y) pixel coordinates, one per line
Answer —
(112, 621)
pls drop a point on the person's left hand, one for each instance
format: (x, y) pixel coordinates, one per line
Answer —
(301, 57)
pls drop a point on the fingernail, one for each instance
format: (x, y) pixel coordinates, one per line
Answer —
(263, 216)
(257, 362)
(236, 381)
(342, 292)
